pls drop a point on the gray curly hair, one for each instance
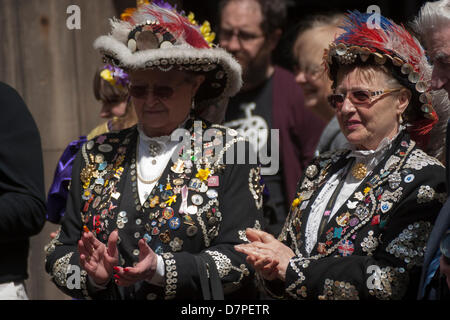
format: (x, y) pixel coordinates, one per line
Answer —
(434, 16)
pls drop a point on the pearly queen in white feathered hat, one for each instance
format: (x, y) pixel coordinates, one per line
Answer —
(157, 36)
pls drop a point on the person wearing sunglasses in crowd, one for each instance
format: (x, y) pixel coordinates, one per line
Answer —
(361, 219)
(146, 208)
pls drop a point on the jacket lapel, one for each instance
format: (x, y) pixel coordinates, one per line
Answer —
(365, 204)
(315, 177)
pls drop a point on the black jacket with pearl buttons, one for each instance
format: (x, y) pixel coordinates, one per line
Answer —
(217, 201)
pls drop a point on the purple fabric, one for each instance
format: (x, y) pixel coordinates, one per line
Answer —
(57, 195)
(119, 75)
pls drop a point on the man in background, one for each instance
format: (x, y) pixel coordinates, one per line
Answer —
(269, 99)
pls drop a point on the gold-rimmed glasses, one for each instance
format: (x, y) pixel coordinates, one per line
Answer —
(358, 97)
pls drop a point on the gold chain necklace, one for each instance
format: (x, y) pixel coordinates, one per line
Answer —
(147, 181)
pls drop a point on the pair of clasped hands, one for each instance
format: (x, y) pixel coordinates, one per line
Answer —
(101, 261)
(267, 255)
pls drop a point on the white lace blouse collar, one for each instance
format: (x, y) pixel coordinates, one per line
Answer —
(384, 145)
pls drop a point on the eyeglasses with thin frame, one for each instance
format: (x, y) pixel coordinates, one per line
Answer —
(358, 97)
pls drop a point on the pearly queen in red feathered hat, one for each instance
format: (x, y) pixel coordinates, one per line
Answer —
(392, 46)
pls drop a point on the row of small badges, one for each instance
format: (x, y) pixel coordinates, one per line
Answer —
(167, 215)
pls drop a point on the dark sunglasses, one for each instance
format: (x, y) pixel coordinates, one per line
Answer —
(160, 92)
(357, 97)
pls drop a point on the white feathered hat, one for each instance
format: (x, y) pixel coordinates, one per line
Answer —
(155, 37)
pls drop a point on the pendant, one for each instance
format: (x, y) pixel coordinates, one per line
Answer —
(359, 171)
(154, 148)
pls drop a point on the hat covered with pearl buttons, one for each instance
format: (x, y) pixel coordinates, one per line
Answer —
(157, 36)
(382, 42)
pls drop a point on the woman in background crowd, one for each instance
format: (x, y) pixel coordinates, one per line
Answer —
(314, 35)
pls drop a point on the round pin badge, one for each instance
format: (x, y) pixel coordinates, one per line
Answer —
(105, 147)
(409, 178)
(212, 194)
(212, 221)
(178, 181)
(192, 210)
(191, 231)
(174, 223)
(346, 248)
(197, 199)
(168, 213)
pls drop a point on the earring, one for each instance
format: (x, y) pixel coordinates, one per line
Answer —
(400, 119)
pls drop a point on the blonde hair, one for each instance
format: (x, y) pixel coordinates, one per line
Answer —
(322, 21)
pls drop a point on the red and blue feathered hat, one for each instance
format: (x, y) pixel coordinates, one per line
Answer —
(392, 46)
